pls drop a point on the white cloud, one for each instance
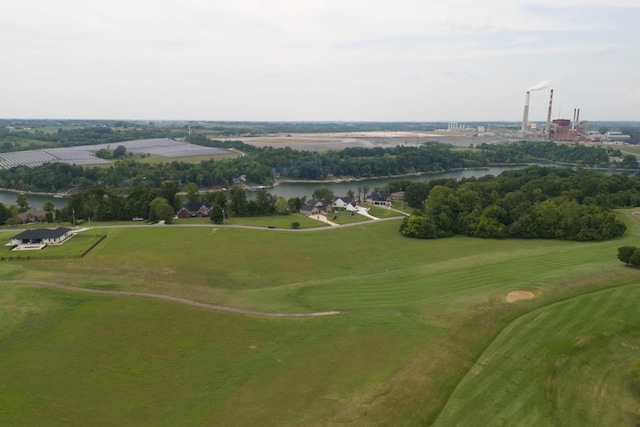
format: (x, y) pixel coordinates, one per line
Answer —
(235, 59)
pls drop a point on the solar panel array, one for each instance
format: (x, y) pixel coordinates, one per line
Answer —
(84, 155)
(76, 156)
(29, 158)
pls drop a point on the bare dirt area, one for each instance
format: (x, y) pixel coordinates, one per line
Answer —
(342, 140)
(518, 295)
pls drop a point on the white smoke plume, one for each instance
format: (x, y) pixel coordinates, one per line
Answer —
(542, 85)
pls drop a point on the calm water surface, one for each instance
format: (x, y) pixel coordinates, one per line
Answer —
(298, 189)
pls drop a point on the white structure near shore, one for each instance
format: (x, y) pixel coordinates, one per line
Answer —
(39, 238)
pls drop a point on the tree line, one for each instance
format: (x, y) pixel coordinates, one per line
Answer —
(536, 202)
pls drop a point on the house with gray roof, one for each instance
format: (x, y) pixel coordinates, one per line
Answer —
(315, 207)
(379, 198)
(41, 237)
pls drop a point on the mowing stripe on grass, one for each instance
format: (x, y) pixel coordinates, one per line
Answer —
(523, 375)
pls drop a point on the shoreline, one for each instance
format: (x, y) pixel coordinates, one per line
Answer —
(347, 179)
(338, 180)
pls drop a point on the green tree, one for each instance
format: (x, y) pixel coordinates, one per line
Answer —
(193, 195)
(295, 203)
(217, 214)
(5, 213)
(238, 201)
(629, 161)
(266, 203)
(418, 226)
(169, 190)
(48, 206)
(416, 193)
(365, 191)
(282, 206)
(634, 259)
(625, 252)
(120, 151)
(103, 153)
(323, 193)
(161, 210)
(22, 202)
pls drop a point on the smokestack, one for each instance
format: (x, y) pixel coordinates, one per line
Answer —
(573, 124)
(525, 117)
(549, 116)
(578, 117)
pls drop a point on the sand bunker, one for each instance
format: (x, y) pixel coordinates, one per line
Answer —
(517, 295)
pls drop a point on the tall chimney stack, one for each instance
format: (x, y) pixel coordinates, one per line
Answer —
(549, 116)
(525, 117)
(573, 123)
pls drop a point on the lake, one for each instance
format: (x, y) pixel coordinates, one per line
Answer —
(299, 189)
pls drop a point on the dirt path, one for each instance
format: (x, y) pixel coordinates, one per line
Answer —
(168, 298)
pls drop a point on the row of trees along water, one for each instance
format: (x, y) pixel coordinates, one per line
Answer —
(536, 202)
(260, 166)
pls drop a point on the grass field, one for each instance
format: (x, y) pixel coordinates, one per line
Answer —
(155, 159)
(425, 335)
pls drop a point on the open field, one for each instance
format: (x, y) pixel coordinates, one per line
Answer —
(425, 330)
(155, 159)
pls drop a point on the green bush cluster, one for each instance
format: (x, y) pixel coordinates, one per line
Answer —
(630, 255)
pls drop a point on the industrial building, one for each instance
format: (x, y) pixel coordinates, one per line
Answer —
(575, 130)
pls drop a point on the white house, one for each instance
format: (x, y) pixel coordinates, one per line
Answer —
(348, 203)
(42, 236)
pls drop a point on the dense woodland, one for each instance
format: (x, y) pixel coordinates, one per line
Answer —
(536, 202)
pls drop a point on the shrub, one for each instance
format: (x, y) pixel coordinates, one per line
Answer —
(625, 252)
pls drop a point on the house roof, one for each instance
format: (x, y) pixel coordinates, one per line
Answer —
(42, 233)
(195, 206)
(313, 203)
(346, 199)
(380, 195)
(31, 213)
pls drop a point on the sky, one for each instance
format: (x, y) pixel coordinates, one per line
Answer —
(319, 60)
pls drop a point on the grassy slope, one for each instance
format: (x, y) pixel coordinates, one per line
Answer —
(562, 364)
(418, 315)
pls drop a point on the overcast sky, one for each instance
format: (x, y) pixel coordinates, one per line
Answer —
(373, 60)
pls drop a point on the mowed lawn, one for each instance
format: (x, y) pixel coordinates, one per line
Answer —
(567, 363)
(420, 321)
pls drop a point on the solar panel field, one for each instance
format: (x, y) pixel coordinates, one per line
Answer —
(84, 155)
